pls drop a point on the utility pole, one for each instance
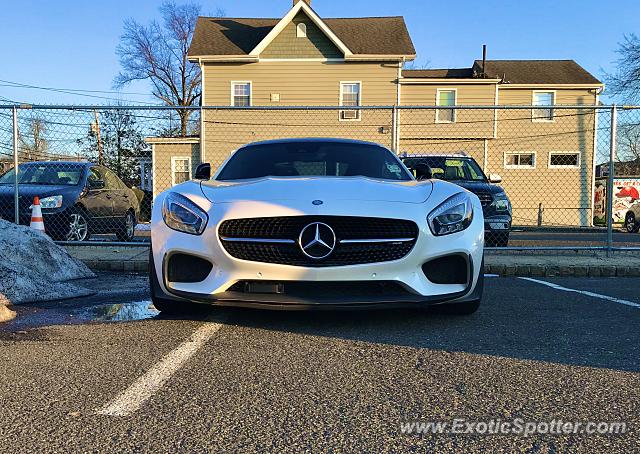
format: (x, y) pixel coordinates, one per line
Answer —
(96, 129)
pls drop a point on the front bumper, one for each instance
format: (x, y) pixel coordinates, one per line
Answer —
(497, 223)
(407, 272)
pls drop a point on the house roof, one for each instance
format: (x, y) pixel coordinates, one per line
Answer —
(536, 71)
(514, 72)
(239, 36)
(451, 73)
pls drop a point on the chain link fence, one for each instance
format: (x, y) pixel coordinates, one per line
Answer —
(544, 175)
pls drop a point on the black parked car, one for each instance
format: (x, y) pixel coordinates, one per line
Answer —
(77, 199)
(465, 171)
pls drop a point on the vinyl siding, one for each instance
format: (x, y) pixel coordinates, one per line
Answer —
(469, 123)
(162, 154)
(565, 194)
(288, 45)
(298, 84)
(301, 83)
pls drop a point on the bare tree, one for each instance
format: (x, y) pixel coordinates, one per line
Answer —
(629, 141)
(34, 145)
(625, 81)
(158, 53)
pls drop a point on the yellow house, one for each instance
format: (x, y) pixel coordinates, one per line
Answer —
(544, 154)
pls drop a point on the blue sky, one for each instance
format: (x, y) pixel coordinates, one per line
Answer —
(71, 43)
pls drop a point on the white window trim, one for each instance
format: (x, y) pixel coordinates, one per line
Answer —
(238, 82)
(301, 30)
(553, 103)
(173, 167)
(552, 153)
(520, 167)
(342, 84)
(455, 102)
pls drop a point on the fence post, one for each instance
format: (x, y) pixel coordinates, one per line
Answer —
(16, 196)
(394, 129)
(612, 171)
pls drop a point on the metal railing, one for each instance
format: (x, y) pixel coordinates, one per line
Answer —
(557, 163)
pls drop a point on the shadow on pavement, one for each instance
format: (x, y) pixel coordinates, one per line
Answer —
(517, 320)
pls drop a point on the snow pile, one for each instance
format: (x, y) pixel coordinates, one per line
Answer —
(33, 268)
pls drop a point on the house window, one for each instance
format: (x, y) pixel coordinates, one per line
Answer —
(520, 160)
(350, 95)
(180, 170)
(561, 160)
(543, 98)
(301, 30)
(446, 98)
(241, 94)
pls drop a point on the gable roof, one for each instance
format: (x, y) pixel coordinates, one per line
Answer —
(537, 71)
(220, 36)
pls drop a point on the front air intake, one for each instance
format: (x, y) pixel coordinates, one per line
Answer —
(450, 269)
(187, 268)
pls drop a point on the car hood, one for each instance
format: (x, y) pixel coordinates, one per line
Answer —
(317, 188)
(479, 186)
(33, 190)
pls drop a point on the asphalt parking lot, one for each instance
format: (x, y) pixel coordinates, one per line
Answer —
(106, 373)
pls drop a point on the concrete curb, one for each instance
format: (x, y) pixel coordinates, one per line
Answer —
(562, 271)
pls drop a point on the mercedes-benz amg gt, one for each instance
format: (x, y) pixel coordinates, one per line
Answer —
(316, 224)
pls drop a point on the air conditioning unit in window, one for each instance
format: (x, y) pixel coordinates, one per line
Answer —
(350, 114)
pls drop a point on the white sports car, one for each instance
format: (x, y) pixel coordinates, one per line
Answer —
(316, 224)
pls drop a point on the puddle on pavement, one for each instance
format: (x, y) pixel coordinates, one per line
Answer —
(121, 312)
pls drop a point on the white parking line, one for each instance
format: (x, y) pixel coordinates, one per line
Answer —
(583, 292)
(148, 384)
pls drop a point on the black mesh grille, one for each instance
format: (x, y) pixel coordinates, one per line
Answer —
(345, 228)
(485, 198)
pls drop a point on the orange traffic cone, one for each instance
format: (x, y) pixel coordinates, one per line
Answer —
(37, 223)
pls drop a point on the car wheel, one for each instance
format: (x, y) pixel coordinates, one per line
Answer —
(468, 307)
(631, 224)
(78, 226)
(129, 230)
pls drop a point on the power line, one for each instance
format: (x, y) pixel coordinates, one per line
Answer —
(71, 91)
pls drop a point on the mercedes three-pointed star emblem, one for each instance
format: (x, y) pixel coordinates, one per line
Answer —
(317, 240)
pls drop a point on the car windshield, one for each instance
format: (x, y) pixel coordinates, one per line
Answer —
(449, 168)
(53, 174)
(313, 159)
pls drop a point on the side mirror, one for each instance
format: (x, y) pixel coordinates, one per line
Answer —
(494, 178)
(423, 172)
(96, 184)
(203, 171)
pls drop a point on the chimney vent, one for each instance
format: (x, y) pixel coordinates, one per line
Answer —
(484, 60)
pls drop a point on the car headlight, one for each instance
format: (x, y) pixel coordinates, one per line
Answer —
(501, 202)
(453, 215)
(181, 214)
(55, 201)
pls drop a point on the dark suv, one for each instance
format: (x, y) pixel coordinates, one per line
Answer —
(465, 171)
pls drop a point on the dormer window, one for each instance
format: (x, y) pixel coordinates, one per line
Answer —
(301, 30)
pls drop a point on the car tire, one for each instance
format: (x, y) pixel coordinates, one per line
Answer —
(77, 228)
(164, 305)
(631, 224)
(467, 307)
(127, 233)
